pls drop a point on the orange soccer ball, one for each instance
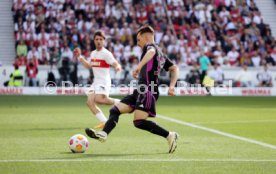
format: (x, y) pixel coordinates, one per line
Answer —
(78, 143)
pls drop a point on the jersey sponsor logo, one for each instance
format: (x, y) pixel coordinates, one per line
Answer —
(99, 63)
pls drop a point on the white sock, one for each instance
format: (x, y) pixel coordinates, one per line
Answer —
(116, 101)
(101, 117)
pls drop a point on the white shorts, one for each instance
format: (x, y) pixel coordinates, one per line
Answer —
(96, 88)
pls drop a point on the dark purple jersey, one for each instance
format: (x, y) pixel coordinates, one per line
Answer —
(145, 98)
(151, 71)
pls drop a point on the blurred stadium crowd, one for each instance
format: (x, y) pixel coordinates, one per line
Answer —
(230, 33)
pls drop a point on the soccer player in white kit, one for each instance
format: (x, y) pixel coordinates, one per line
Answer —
(100, 61)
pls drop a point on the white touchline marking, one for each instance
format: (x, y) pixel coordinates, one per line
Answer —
(138, 160)
(237, 122)
(218, 132)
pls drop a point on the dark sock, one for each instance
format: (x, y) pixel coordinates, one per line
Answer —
(151, 127)
(111, 123)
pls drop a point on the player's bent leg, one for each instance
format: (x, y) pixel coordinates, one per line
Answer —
(115, 112)
(140, 115)
(103, 99)
(109, 126)
(96, 110)
(115, 101)
(150, 126)
(140, 122)
(91, 103)
(124, 108)
(113, 119)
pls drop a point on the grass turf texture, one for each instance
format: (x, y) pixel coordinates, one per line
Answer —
(38, 128)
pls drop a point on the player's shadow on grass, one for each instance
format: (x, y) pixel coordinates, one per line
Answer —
(85, 155)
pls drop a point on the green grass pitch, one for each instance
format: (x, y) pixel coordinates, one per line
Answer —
(34, 134)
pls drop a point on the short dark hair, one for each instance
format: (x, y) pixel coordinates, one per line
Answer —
(99, 33)
(145, 29)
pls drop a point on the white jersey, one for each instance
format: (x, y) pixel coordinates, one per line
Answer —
(100, 62)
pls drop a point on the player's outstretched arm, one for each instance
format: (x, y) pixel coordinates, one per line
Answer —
(147, 57)
(117, 66)
(83, 61)
(174, 72)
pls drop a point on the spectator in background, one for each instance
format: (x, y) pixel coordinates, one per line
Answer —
(194, 55)
(16, 78)
(20, 60)
(32, 54)
(54, 56)
(218, 55)
(66, 60)
(193, 77)
(257, 19)
(268, 59)
(67, 54)
(264, 77)
(244, 78)
(216, 74)
(133, 62)
(18, 5)
(256, 59)
(40, 17)
(44, 57)
(224, 15)
(18, 25)
(21, 53)
(173, 55)
(233, 56)
(21, 49)
(31, 72)
(245, 59)
(204, 63)
(273, 54)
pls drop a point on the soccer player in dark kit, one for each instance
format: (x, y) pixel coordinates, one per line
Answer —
(142, 101)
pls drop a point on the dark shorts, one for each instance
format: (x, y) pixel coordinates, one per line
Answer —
(144, 102)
